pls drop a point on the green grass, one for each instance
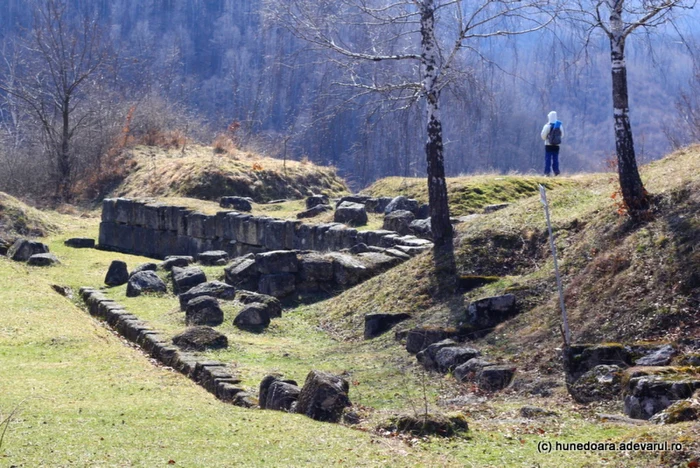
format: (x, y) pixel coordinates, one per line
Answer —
(87, 399)
(468, 194)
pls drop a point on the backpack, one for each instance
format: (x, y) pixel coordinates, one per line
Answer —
(555, 135)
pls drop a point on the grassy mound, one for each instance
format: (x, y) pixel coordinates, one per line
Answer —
(470, 194)
(623, 280)
(201, 173)
(18, 219)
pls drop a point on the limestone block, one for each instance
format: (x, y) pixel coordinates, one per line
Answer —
(182, 218)
(274, 235)
(109, 210)
(303, 236)
(278, 285)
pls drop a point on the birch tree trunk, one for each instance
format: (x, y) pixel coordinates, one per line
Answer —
(437, 188)
(633, 192)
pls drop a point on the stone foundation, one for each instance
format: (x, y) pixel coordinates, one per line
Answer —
(157, 230)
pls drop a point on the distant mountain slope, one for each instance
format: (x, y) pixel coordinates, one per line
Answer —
(201, 173)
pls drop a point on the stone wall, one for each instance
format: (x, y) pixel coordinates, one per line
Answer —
(157, 230)
(212, 375)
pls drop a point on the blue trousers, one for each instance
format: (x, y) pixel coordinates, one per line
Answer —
(551, 159)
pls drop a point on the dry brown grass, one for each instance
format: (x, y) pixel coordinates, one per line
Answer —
(623, 281)
(201, 172)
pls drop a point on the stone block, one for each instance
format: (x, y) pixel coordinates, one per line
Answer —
(109, 210)
(314, 267)
(278, 285)
(490, 311)
(124, 211)
(195, 224)
(278, 261)
(378, 324)
(274, 235)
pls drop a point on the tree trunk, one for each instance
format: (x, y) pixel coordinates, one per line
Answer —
(633, 192)
(437, 188)
(64, 156)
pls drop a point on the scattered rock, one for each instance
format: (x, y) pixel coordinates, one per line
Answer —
(445, 355)
(603, 382)
(488, 312)
(377, 205)
(401, 203)
(679, 411)
(399, 221)
(273, 305)
(253, 317)
(352, 214)
(421, 228)
(470, 369)
(494, 378)
(243, 272)
(265, 386)
(171, 261)
(317, 200)
(651, 390)
(323, 397)
(580, 358)
(186, 278)
(204, 310)
(359, 199)
(143, 267)
(496, 207)
(237, 203)
(22, 249)
(377, 324)
(213, 257)
(427, 424)
(210, 288)
(200, 339)
(533, 412)
(660, 356)
(315, 211)
(117, 273)
(80, 243)
(420, 338)
(423, 212)
(448, 358)
(282, 396)
(145, 282)
(64, 291)
(43, 260)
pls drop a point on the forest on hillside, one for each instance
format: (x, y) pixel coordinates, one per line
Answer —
(240, 70)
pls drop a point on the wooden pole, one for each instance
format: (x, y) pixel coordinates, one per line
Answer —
(565, 319)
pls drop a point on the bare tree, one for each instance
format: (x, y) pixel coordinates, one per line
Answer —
(431, 36)
(53, 64)
(618, 19)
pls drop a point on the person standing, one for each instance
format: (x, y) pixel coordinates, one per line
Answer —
(552, 134)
